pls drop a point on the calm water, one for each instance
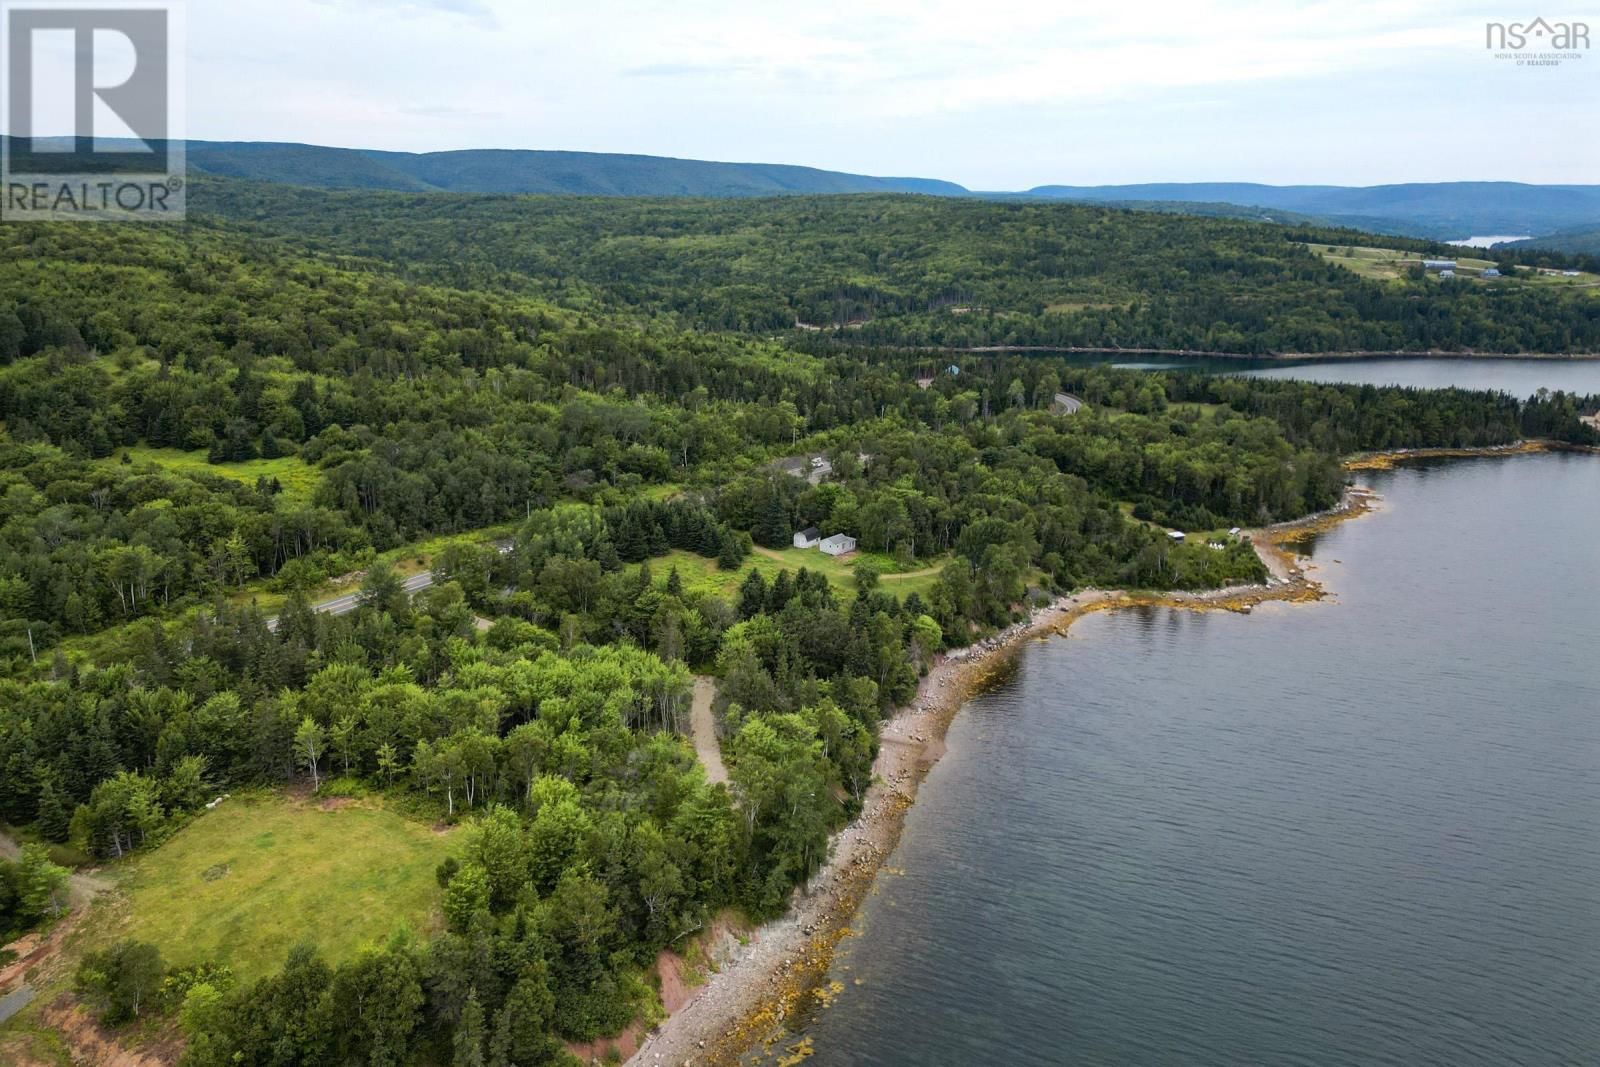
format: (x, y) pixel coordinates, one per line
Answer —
(1359, 832)
(1488, 240)
(1519, 377)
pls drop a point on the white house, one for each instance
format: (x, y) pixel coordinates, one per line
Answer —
(1176, 535)
(838, 544)
(808, 537)
(1447, 274)
(1569, 274)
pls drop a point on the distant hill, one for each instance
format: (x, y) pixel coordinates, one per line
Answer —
(518, 171)
(1441, 210)
(1584, 242)
(1426, 209)
(489, 170)
(1435, 210)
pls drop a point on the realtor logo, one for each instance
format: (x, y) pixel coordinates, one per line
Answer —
(92, 111)
(1539, 42)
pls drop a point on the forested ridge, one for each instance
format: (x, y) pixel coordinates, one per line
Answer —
(148, 373)
(899, 270)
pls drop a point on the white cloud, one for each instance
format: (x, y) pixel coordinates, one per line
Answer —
(1006, 93)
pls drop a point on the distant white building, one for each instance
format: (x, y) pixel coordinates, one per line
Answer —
(1176, 535)
(1491, 272)
(1447, 274)
(1569, 273)
(1438, 264)
(810, 537)
(838, 545)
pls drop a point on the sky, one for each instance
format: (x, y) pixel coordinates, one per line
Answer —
(997, 94)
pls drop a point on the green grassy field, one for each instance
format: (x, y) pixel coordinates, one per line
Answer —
(298, 478)
(243, 883)
(1390, 264)
(700, 575)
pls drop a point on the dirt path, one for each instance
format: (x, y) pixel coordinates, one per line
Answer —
(770, 975)
(704, 726)
(905, 575)
(33, 950)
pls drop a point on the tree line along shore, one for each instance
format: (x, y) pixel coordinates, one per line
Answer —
(211, 427)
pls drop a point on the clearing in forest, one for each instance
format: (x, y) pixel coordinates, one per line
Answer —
(701, 575)
(245, 882)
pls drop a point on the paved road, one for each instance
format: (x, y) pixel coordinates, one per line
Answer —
(341, 605)
(15, 1001)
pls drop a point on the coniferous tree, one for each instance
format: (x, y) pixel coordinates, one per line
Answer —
(54, 821)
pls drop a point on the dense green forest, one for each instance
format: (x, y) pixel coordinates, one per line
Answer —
(898, 270)
(146, 373)
(1583, 243)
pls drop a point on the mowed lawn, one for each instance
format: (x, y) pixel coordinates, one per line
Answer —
(701, 575)
(244, 882)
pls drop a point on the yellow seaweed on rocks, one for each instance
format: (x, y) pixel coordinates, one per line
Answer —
(796, 1052)
(1383, 461)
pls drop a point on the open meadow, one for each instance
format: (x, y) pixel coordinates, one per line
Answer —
(245, 882)
(1391, 264)
(701, 575)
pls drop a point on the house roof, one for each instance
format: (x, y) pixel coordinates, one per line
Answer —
(811, 533)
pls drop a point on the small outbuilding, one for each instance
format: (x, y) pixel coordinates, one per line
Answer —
(1438, 264)
(1491, 272)
(838, 545)
(1176, 535)
(808, 538)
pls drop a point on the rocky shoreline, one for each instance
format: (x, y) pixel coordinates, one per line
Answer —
(762, 981)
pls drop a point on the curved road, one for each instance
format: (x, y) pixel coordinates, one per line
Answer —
(341, 605)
